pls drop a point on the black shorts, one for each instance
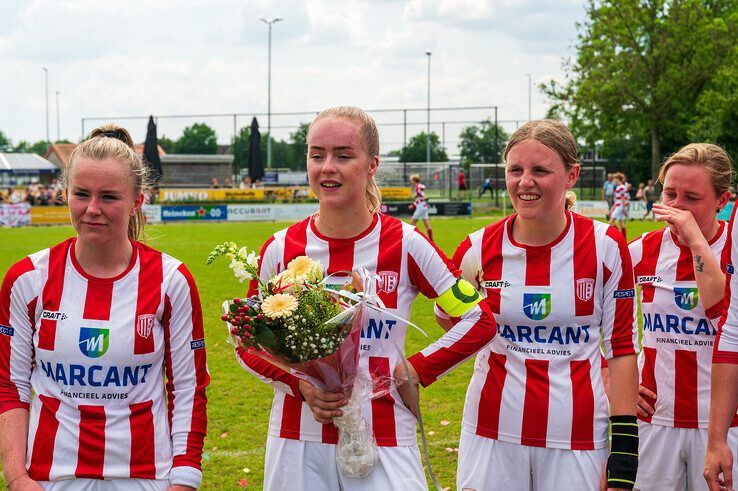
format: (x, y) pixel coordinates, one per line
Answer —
(462, 187)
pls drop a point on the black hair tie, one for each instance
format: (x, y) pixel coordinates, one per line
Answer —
(112, 134)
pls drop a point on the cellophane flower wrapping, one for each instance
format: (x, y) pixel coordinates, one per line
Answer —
(311, 329)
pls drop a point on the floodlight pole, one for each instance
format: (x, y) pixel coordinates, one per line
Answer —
(529, 96)
(58, 131)
(46, 82)
(269, 23)
(427, 132)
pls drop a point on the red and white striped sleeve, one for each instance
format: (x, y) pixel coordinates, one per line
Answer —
(619, 325)
(270, 260)
(428, 265)
(18, 298)
(187, 376)
(726, 340)
(466, 259)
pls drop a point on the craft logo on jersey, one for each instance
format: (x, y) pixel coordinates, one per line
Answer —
(585, 289)
(686, 298)
(54, 316)
(537, 306)
(93, 341)
(144, 325)
(387, 281)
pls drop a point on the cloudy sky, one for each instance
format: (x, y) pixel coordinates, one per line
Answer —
(183, 57)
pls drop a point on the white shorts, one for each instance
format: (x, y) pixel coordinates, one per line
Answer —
(674, 458)
(296, 465)
(106, 485)
(421, 211)
(619, 213)
(487, 464)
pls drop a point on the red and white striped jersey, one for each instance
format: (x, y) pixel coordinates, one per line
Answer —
(539, 381)
(621, 196)
(726, 341)
(408, 264)
(678, 334)
(419, 193)
(95, 352)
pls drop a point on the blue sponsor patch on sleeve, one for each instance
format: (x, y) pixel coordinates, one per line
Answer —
(197, 344)
(630, 293)
(729, 269)
(7, 331)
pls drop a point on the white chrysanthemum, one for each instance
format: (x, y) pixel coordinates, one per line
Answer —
(279, 305)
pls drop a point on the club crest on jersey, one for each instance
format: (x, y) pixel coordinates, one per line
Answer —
(93, 341)
(53, 316)
(387, 281)
(144, 325)
(585, 289)
(686, 298)
(537, 306)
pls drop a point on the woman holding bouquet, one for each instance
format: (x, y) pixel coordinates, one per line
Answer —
(91, 327)
(346, 234)
(559, 284)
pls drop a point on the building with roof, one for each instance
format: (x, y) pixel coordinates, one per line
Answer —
(58, 153)
(188, 170)
(24, 168)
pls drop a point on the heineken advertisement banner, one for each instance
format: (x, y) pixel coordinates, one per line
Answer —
(201, 212)
(435, 208)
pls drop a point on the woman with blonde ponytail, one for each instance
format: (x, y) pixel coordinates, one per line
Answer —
(88, 330)
(349, 234)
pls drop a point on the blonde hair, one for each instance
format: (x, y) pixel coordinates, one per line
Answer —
(555, 135)
(415, 177)
(712, 158)
(111, 141)
(370, 137)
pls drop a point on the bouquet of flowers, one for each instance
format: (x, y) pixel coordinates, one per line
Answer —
(310, 328)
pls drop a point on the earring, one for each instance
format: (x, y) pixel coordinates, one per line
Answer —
(718, 210)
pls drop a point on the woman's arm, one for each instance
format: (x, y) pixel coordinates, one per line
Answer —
(13, 437)
(723, 402)
(710, 279)
(187, 377)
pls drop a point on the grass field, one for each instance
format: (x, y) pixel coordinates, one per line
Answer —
(238, 406)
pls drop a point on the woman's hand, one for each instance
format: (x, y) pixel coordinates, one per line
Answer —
(719, 460)
(24, 483)
(645, 409)
(681, 223)
(324, 405)
(407, 387)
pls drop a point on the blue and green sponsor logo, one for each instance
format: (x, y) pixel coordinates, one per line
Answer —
(686, 298)
(537, 306)
(94, 341)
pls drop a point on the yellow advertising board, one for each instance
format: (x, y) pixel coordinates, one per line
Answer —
(49, 215)
(396, 193)
(291, 193)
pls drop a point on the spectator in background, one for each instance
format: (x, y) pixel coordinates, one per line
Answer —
(608, 188)
(650, 194)
(245, 183)
(733, 194)
(214, 183)
(42, 196)
(257, 184)
(640, 196)
(14, 196)
(462, 183)
(30, 196)
(228, 183)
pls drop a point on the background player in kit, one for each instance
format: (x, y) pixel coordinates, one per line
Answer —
(621, 203)
(682, 289)
(91, 325)
(536, 413)
(346, 234)
(420, 205)
(720, 458)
